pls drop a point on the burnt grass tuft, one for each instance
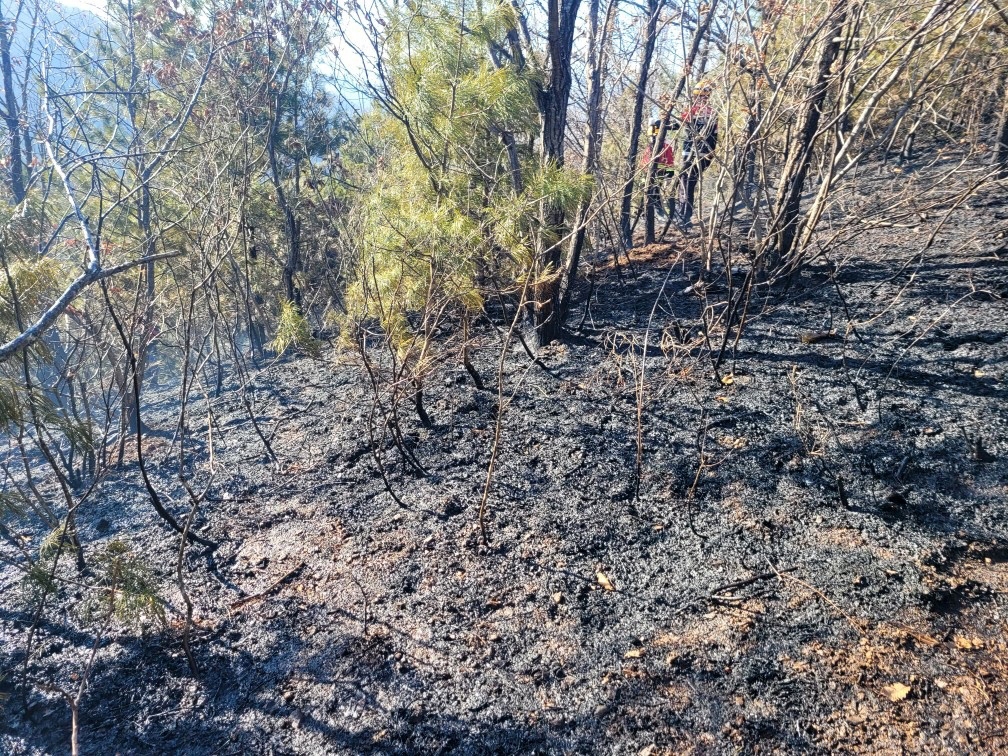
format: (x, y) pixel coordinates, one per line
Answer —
(830, 575)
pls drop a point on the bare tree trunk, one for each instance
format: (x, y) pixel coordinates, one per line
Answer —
(748, 167)
(143, 316)
(292, 227)
(25, 84)
(11, 118)
(785, 220)
(508, 140)
(650, 34)
(907, 150)
(597, 47)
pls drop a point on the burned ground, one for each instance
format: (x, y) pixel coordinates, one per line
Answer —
(817, 559)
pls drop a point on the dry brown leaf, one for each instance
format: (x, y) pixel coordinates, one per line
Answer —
(731, 442)
(896, 691)
(968, 644)
(604, 581)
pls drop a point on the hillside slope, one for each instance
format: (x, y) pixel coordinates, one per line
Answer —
(817, 559)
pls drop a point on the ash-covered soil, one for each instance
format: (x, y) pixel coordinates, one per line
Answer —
(817, 559)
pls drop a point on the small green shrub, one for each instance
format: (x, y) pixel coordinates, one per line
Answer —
(293, 331)
(125, 588)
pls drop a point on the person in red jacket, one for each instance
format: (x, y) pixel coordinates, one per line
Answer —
(663, 171)
(701, 127)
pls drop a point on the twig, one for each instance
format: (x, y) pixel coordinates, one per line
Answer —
(783, 573)
(748, 581)
(141, 464)
(714, 595)
(640, 381)
(263, 594)
(499, 422)
(701, 466)
(365, 600)
(187, 629)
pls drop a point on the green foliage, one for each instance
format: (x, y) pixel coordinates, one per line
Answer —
(516, 224)
(562, 188)
(39, 581)
(419, 255)
(37, 279)
(78, 432)
(58, 539)
(124, 589)
(42, 576)
(293, 331)
(10, 403)
(13, 504)
(443, 207)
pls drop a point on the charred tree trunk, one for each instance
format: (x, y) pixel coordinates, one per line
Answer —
(907, 150)
(144, 315)
(787, 209)
(293, 230)
(747, 169)
(256, 336)
(292, 227)
(1000, 156)
(597, 47)
(553, 100)
(650, 34)
(418, 404)
(142, 325)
